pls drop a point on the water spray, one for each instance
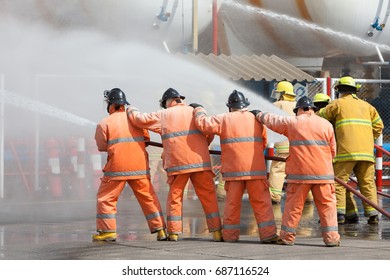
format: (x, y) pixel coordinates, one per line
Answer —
(45, 109)
(304, 24)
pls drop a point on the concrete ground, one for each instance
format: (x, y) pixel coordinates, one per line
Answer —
(61, 230)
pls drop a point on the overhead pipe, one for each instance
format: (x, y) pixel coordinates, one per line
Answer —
(195, 30)
(215, 27)
(349, 188)
(2, 136)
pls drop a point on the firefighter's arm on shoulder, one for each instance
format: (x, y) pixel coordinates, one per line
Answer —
(208, 125)
(147, 121)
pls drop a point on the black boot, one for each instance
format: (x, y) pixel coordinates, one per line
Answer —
(352, 220)
(340, 219)
(373, 220)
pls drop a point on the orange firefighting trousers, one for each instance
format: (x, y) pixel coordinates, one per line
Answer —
(325, 201)
(107, 198)
(205, 190)
(260, 200)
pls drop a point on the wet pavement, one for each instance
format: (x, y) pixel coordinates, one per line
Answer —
(61, 230)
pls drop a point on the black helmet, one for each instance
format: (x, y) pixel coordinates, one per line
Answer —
(304, 102)
(237, 100)
(115, 96)
(169, 93)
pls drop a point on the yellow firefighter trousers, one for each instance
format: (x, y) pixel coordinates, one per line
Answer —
(364, 172)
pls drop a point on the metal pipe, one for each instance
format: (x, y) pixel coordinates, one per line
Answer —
(382, 149)
(195, 26)
(383, 194)
(329, 86)
(36, 138)
(215, 27)
(379, 164)
(2, 136)
(270, 152)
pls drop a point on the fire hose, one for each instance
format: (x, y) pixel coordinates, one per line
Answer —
(345, 185)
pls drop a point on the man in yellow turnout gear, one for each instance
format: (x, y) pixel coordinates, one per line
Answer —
(284, 93)
(320, 100)
(357, 124)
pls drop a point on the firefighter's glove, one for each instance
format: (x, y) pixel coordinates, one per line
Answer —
(255, 112)
(195, 105)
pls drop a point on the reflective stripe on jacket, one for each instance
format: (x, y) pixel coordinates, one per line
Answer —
(185, 147)
(357, 124)
(312, 146)
(125, 147)
(243, 141)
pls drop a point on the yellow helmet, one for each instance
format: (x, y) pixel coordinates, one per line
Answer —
(285, 88)
(321, 97)
(347, 81)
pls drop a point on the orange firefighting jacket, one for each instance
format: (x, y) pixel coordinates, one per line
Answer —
(288, 107)
(185, 147)
(357, 124)
(125, 147)
(312, 146)
(243, 141)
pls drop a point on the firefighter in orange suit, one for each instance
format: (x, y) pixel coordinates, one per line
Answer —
(284, 93)
(185, 157)
(243, 166)
(309, 167)
(127, 162)
(357, 124)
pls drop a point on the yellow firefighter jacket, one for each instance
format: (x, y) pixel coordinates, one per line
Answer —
(357, 124)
